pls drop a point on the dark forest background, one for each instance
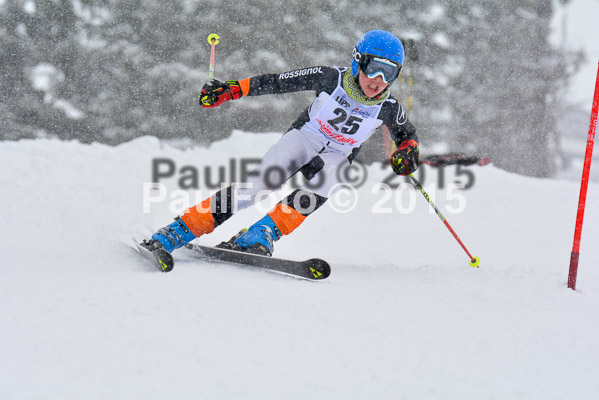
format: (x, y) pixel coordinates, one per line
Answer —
(486, 80)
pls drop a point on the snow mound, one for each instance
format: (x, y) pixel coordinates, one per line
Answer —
(402, 315)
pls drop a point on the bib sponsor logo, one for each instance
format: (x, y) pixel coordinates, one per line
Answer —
(301, 72)
(336, 137)
(343, 102)
(361, 113)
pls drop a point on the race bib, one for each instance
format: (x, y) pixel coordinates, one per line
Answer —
(345, 122)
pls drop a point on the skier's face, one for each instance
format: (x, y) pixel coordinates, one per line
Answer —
(371, 86)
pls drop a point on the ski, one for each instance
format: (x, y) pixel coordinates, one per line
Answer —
(160, 258)
(315, 268)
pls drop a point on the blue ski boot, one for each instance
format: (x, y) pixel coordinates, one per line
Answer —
(257, 239)
(172, 236)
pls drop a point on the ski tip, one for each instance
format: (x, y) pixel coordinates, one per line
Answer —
(165, 260)
(161, 258)
(136, 243)
(318, 269)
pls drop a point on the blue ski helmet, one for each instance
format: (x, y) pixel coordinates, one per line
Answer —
(378, 44)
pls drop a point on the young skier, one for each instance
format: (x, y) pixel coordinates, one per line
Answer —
(350, 104)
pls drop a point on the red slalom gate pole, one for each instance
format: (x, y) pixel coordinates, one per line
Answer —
(583, 188)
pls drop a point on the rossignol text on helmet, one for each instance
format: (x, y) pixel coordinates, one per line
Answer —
(378, 53)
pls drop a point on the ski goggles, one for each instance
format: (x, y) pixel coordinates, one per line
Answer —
(374, 66)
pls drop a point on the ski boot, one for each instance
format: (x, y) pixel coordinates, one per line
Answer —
(257, 239)
(171, 237)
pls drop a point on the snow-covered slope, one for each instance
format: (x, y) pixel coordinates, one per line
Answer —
(402, 316)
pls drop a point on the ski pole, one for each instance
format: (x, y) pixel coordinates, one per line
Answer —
(213, 39)
(474, 261)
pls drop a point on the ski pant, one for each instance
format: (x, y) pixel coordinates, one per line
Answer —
(296, 151)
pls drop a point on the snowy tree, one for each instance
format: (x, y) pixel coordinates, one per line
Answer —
(486, 80)
(503, 98)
